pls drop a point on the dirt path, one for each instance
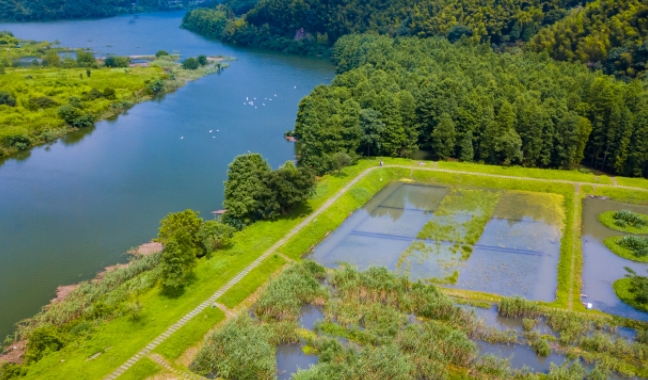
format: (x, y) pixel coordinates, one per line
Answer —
(211, 300)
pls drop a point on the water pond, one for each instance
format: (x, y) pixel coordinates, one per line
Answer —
(601, 267)
(498, 242)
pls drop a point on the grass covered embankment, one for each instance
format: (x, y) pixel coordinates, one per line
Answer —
(42, 101)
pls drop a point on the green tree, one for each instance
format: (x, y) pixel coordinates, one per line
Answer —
(117, 61)
(161, 53)
(190, 64)
(202, 60)
(244, 188)
(467, 152)
(187, 223)
(341, 160)
(215, 235)
(7, 99)
(52, 58)
(444, 137)
(638, 286)
(85, 59)
(285, 189)
(176, 265)
(372, 127)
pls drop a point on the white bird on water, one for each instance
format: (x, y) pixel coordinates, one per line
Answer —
(263, 104)
(294, 86)
(210, 131)
(213, 137)
(246, 98)
(275, 95)
(181, 137)
(217, 130)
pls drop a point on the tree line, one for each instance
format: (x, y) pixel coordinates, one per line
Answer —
(33, 10)
(463, 101)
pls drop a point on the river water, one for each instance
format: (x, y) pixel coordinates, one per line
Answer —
(71, 208)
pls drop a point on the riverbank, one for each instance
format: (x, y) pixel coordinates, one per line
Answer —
(336, 197)
(32, 98)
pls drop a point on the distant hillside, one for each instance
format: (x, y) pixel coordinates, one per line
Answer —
(610, 35)
(297, 25)
(41, 10)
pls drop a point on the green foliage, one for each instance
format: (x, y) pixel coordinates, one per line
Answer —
(161, 53)
(515, 307)
(541, 347)
(85, 59)
(117, 61)
(625, 221)
(10, 371)
(638, 285)
(311, 26)
(215, 235)
(341, 160)
(177, 265)
(185, 228)
(240, 350)
(24, 10)
(254, 191)
(285, 295)
(629, 247)
(610, 35)
(7, 99)
(521, 109)
(41, 341)
(41, 103)
(190, 64)
(202, 60)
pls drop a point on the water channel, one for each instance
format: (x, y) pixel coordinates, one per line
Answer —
(69, 209)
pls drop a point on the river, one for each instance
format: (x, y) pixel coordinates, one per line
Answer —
(71, 208)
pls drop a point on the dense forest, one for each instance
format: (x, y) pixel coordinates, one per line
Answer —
(34, 10)
(306, 26)
(464, 101)
(607, 34)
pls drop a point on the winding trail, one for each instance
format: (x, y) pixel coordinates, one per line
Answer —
(212, 300)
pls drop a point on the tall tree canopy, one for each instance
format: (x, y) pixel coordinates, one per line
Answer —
(608, 34)
(307, 25)
(464, 101)
(254, 191)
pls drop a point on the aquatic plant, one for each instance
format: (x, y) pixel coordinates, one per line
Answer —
(514, 307)
(541, 347)
(286, 294)
(239, 350)
(626, 218)
(529, 324)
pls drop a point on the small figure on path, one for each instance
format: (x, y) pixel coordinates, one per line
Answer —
(381, 163)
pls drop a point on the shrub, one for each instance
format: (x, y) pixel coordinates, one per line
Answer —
(40, 341)
(85, 59)
(638, 245)
(117, 61)
(514, 307)
(7, 99)
(109, 93)
(190, 64)
(202, 60)
(41, 103)
(161, 53)
(541, 347)
(19, 141)
(626, 218)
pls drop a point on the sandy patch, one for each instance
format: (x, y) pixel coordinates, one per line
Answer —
(14, 353)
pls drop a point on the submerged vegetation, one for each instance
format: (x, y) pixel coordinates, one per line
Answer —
(43, 99)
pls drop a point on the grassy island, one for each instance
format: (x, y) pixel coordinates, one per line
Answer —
(625, 221)
(45, 92)
(623, 288)
(629, 247)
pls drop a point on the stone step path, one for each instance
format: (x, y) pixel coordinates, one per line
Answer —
(184, 375)
(212, 300)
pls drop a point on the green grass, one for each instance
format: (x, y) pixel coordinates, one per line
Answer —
(621, 195)
(190, 334)
(143, 369)
(517, 171)
(252, 281)
(633, 182)
(620, 251)
(622, 290)
(607, 218)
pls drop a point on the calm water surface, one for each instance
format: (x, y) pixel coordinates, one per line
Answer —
(512, 257)
(69, 209)
(601, 267)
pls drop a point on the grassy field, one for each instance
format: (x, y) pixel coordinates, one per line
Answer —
(143, 369)
(122, 337)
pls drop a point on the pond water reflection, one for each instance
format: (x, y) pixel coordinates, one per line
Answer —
(601, 267)
(517, 253)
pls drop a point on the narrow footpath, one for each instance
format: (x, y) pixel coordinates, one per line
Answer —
(212, 300)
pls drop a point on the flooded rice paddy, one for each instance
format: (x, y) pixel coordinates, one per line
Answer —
(601, 267)
(475, 239)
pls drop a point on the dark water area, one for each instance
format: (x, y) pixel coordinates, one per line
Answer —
(69, 209)
(290, 359)
(512, 257)
(601, 267)
(309, 315)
